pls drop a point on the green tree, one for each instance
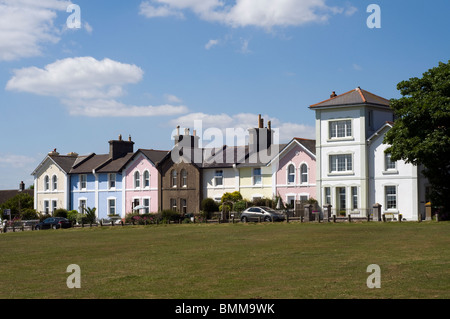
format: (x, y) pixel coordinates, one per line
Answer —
(420, 134)
(209, 206)
(90, 215)
(20, 202)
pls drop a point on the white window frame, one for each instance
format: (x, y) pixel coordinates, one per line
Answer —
(147, 207)
(218, 175)
(46, 206)
(174, 178)
(54, 205)
(303, 174)
(109, 200)
(386, 197)
(54, 183)
(183, 177)
(388, 163)
(137, 180)
(334, 161)
(327, 195)
(335, 130)
(290, 174)
(80, 200)
(112, 181)
(355, 197)
(257, 176)
(146, 179)
(46, 183)
(83, 176)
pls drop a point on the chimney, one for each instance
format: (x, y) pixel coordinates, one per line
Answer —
(120, 148)
(72, 154)
(261, 138)
(22, 186)
(53, 153)
(333, 94)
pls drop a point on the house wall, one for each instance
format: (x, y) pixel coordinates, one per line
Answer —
(230, 182)
(404, 177)
(295, 156)
(192, 193)
(140, 164)
(248, 189)
(89, 194)
(59, 194)
(105, 194)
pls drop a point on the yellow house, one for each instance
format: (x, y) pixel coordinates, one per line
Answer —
(51, 182)
(255, 182)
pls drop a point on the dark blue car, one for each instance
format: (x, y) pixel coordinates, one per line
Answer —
(54, 223)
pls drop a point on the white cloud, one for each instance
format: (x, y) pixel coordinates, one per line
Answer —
(88, 86)
(173, 98)
(287, 130)
(88, 27)
(357, 67)
(27, 24)
(211, 43)
(15, 161)
(261, 13)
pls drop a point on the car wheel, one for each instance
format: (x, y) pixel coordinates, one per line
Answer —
(267, 219)
(54, 227)
(244, 219)
(37, 228)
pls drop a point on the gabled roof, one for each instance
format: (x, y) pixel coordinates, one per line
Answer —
(308, 145)
(63, 162)
(387, 124)
(155, 156)
(272, 155)
(221, 158)
(357, 96)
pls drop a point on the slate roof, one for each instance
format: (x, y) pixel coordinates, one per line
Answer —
(357, 96)
(90, 163)
(310, 145)
(155, 156)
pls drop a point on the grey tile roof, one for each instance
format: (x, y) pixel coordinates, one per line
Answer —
(64, 161)
(8, 194)
(91, 162)
(155, 156)
(357, 96)
(310, 145)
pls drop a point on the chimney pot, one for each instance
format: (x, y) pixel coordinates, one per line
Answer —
(120, 137)
(333, 94)
(129, 138)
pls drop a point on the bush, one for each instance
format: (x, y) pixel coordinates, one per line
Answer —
(209, 206)
(60, 212)
(264, 202)
(240, 206)
(72, 216)
(29, 214)
(170, 215)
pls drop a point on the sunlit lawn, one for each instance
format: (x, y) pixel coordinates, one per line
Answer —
(268, 260)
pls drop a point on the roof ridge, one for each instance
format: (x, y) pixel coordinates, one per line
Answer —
(331, 98)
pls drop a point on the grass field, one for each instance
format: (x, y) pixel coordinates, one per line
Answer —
(217, 261)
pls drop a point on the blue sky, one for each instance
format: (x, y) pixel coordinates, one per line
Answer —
(140, 68)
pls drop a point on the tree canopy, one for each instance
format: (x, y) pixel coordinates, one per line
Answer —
(420, 134)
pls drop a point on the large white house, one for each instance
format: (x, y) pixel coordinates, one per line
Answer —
(353, 171)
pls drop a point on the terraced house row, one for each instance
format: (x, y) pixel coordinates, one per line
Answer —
(148, 180)
(345, 167)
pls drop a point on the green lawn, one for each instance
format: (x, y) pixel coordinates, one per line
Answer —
(268, 260)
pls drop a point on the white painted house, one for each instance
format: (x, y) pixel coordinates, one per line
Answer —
(350, 161)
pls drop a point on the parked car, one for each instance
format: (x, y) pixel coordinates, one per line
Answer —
(264, 213)
(53, 222)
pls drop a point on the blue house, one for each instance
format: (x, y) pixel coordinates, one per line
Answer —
(97, 180)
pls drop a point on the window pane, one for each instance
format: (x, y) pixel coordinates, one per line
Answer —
(391, 197)
(291, 174)
(146, 179)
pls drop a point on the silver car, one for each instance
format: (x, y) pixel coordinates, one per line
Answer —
(262, 213)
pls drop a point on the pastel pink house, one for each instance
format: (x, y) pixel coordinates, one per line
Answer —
(141, 178)
(295, 177)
